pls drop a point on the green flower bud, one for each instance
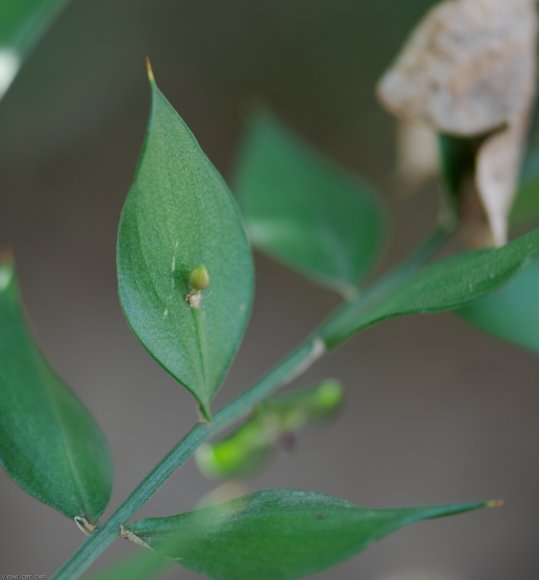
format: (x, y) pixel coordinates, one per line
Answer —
(199, 279)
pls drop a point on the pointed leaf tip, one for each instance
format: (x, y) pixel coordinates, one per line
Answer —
(149, 70)
(495, 503)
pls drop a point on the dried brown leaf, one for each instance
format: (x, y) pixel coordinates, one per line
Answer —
(467, 70)
(417, 155)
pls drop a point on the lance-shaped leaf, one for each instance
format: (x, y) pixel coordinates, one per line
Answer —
(511, 313)
(184, 264)
(446, 285)
(277, 534)
(49, 443)
(22, 22)
(303, 211)
(274, 423)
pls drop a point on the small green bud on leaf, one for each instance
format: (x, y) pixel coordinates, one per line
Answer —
(199, 279)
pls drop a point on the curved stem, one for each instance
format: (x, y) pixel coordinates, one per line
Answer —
(292, 366)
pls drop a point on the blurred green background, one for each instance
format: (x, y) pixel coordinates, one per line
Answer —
(436, 412)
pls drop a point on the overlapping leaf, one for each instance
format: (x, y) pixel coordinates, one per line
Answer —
(49, 443)
(305, 212)
(511, 313)
(22, 22)
(446, 285)
(277, 534)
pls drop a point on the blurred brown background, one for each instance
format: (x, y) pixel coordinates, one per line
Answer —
(436, 412)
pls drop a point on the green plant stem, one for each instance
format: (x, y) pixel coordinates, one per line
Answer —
(292, 366)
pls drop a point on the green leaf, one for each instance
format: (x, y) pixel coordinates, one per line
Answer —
(457, 159)
(246, 449)
(446, 285)
(49, 443)
(179, 219)
(525, 210)
(303, 211)
(511, 313)
(277, 534)
(22, 23)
